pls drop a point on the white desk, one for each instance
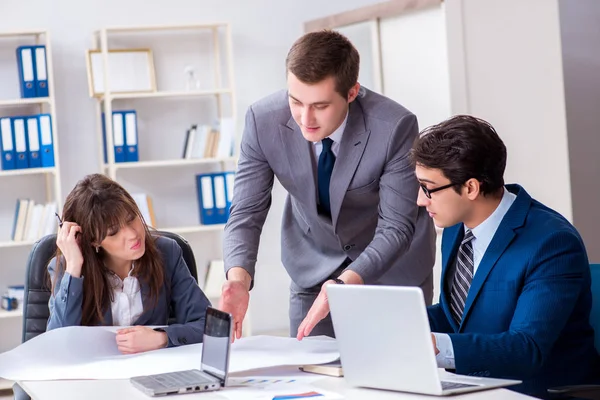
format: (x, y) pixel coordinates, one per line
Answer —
(122, 389)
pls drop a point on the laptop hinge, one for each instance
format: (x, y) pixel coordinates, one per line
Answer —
(221, 380)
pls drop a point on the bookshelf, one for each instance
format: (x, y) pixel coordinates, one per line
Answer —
(42, 185)
(171, 94)
(11, 314)
(29, 171)
(20, 102)
(163, 116)
(182, 230)
(11, 243)
(169, 163)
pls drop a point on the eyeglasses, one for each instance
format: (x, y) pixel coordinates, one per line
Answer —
(428, 192)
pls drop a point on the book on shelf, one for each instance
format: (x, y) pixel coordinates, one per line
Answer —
(16, 292)
(144, 203)
(125, 136)
(206, 141)
(215, 193)
(26, 142)
(33, 221)
(33, 73)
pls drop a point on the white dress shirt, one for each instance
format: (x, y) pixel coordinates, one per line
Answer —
(336, 136)
(127, 305)
(482, 237)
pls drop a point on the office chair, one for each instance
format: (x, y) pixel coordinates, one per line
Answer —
(590, 392)
(37, 290)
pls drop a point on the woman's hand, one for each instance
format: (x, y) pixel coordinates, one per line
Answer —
(68, 243)
(138, 339)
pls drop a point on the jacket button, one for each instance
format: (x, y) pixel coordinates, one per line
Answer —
(183, 340)
(347, 247)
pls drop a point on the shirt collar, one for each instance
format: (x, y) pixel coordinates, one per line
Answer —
(115, 279)
(484, 232)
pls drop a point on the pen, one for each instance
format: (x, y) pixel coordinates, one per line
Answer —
(60, 223)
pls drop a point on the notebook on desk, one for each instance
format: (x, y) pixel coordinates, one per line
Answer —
(330, 369)
(385, 342)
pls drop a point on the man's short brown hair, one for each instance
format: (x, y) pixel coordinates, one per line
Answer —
(318, 55)
(463, 147)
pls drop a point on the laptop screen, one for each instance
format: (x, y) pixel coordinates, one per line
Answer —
(217, 342)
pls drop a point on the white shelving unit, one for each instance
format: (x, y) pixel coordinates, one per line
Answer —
(172, 94)
(105, 102)
(182, 230)
(20, 102)
(11, 314)
(43, 105)
(167, 163)
(40, 184)
(9, 244)
(207, 46)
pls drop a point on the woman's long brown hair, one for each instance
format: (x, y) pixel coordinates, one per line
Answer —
(97, 204)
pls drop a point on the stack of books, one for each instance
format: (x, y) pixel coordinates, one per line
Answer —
(205, 141)
(33, 221)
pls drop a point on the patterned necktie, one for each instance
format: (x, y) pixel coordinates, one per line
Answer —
(325, 167)
(463, 276)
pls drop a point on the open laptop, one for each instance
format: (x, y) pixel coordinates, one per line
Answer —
(214, 364)
(385, 342)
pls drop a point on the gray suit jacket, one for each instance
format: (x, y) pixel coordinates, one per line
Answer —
(374, 217)
(180, 291)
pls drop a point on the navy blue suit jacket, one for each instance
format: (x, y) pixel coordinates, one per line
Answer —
(180, 291)
(527, 312)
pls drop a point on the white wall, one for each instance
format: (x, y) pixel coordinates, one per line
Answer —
(415, 63)
(263, 31)
(506, 67)
(415, 74)
(363, 36)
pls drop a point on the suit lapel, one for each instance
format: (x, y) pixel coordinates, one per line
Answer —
(300, 161)
(108, 320)
(502, 238)
(514, 218)
(351, 150)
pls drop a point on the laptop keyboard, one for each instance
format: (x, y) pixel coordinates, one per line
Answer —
(181, 379)
(455, 385)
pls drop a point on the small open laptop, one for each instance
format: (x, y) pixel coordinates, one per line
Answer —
(214, 365)
(385, 342)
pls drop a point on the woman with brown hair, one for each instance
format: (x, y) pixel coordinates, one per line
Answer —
(113, 271)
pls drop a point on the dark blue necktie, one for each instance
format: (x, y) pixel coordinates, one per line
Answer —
(325, 167)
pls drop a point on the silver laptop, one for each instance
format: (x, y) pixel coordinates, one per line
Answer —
(214, 365)
(385, 342)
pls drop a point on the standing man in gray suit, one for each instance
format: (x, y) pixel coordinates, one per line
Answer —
(342, 153)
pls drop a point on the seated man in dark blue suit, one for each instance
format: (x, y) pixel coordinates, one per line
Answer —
(515, 292)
